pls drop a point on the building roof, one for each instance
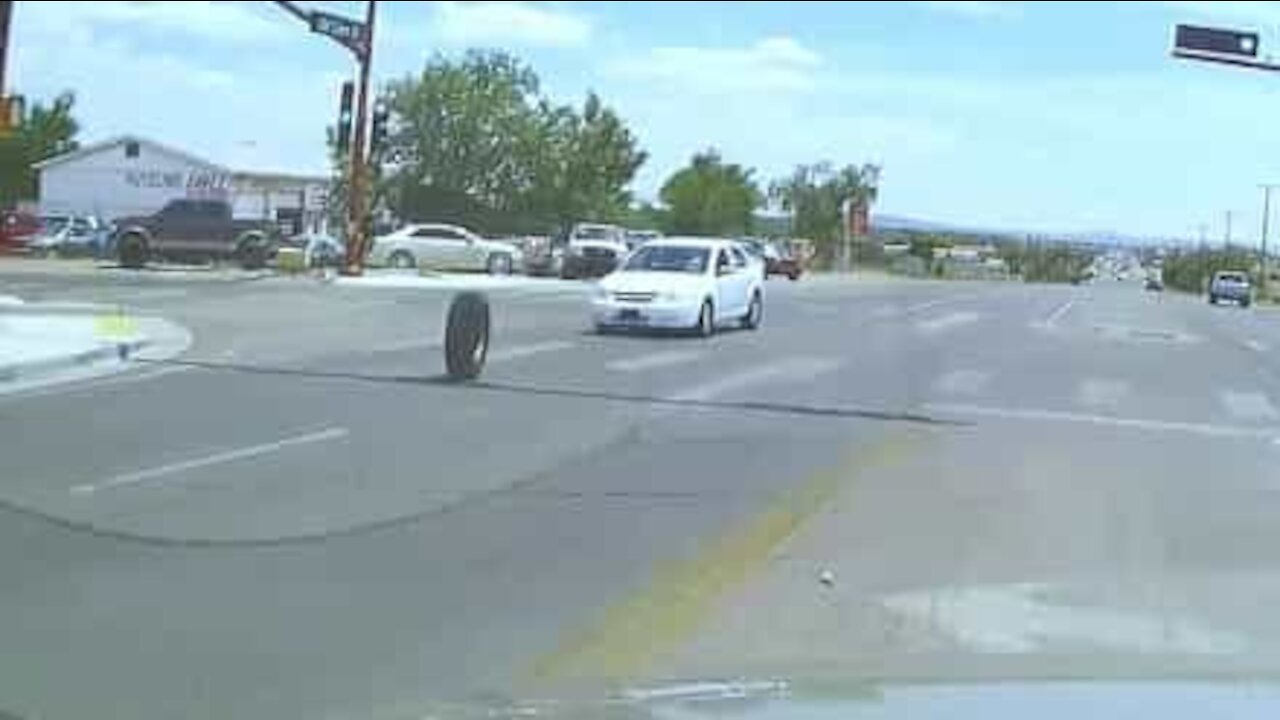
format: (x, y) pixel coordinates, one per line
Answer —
(95, 148)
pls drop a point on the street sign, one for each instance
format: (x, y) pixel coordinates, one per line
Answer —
(345, 31)
(1221, 41)
(1219, 45)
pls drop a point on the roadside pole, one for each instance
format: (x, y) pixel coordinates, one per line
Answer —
(1266, 224)
(358, 38)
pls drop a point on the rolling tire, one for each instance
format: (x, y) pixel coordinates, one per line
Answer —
(466, 336)
(498, 264)
(1245, 303)
(401, 260)
(133, 252)
(252, 254)
(793, 275)
(755, 312)
(1213, 300)
(706, 326)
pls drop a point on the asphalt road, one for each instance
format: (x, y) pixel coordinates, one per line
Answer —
(299, 519)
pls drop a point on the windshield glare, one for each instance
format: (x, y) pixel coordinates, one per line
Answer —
(669, 258)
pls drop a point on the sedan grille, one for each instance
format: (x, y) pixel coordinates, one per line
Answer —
(635, 297)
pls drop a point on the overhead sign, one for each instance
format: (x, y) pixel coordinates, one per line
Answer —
(347, 32)
(1194, 38)
(1219, 45)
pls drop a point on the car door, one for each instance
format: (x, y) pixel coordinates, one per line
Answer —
(744, 271)
(728, 279)
(430, 247)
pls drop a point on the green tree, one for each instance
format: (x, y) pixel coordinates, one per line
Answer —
(473, 141)
(46, 131)
(814, 195)
(710, 197)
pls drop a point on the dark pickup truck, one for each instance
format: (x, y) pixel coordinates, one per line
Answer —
(194, 230)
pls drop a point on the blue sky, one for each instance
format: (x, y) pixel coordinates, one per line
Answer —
(1040, 116)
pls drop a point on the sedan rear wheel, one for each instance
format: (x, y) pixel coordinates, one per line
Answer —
(401, 260)
(499, 264)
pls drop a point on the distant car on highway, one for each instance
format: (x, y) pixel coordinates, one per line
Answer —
(1231, 285)
(444, 247)
(593, 250)
(695, 284)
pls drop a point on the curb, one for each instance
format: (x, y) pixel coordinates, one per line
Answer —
(118, 351)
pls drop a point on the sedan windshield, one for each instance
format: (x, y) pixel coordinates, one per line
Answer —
(669, 258)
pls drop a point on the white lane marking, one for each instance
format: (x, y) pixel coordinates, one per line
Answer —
(218, 458)
(654, 360)
(1159, 426)
(1248, 405)
(1019, 618)
(946, 322)
(803, 368)
(963, 382)
(86, 384)
(523, 351)
(1058, 313)
(1101, 392)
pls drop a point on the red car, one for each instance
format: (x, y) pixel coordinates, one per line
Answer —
(778, 261)
(15, 229)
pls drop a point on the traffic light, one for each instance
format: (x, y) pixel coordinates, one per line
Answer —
(11, 113)
(344, 116)
(378, 133)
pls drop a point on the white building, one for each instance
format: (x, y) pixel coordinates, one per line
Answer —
(133, 176)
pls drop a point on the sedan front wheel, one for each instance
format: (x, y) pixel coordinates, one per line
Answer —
(706, 320)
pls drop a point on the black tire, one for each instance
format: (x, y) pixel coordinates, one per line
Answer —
(466, 336)
(755, 312)
(133, 251)
(706, 326)
(252, 253)
(794, 275)
(1245, 303)
(1213, 300)
(401, 259)
(498, 264)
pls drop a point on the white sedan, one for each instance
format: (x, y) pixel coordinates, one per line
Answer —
(681, 283)
(444, 247)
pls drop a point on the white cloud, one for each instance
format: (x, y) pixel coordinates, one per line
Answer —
(508, 23)
(218, 21)
(1256, 13)
(970, 8)
(777, 64)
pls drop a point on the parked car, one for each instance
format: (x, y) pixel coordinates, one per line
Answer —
(1231, 285)
(16, 229)
(1153, 283)
(199, 230)
(318, 249)
(543, 256)
(444, 247)
(70, 236)
(697, 284)
(636, 238)
(593, 250)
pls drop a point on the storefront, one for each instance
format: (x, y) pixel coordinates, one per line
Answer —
(133, 176)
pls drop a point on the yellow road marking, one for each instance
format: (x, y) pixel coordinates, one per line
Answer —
(632, 635)
(114, 326)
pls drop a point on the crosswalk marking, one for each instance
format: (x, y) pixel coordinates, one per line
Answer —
(523, 351)
(804, 368)
(946, 322)
(1248, 405)
(654, 360)
(1101, 392)
(963, 382)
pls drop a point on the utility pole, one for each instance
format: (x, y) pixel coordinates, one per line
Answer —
(6, 14)
(1266, 224)
(358, 38)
